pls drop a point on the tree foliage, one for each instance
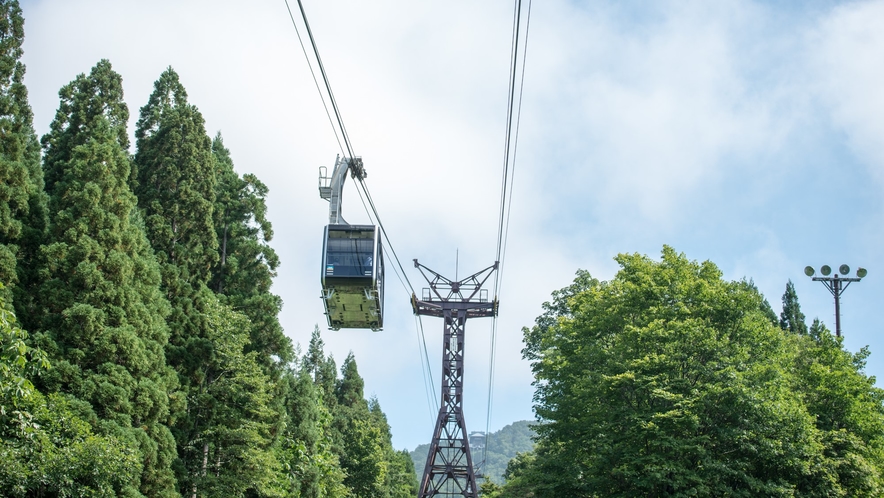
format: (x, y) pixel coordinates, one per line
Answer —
(174, 179)
(313, 467)
(18, 362)
(792, 319)
(46, 449)
(226, 447)
(321, 369)
(55, 452)
(848, 410)
(22, 200)
(359, 434)
(103, 322)
(247, 264)
(668, 380)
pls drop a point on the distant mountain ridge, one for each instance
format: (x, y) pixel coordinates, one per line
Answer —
(502, 447)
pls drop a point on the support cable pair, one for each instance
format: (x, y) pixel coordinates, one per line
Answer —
(518, 55)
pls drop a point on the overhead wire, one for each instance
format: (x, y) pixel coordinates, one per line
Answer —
(406, 284)
(315, 80)
(425, 361)
(347, 150)
(331, 94)
(507, 179)
(515, 145)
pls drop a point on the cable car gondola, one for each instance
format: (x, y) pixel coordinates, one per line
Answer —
(352, 272)
(352, 277)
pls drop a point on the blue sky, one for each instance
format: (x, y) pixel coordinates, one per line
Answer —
(747, 133)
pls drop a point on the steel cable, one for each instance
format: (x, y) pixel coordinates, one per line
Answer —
(425, 368)
(507, 178)
(331, 94)
(315, 80)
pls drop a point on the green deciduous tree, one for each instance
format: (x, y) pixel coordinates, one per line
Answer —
(55, 452)
(522, 480)
(401, 478)
(18, 362)
(46, 449)
(848, 410)
(668, 380)
(102, 321)
(362, 457)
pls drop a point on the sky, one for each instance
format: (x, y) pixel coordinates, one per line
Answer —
(750, 134)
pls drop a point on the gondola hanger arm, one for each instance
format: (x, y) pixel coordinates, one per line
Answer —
(331, 188)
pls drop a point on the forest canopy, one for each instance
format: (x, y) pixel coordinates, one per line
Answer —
(670, 381)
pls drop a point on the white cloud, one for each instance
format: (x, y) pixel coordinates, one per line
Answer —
(647, 116)
(846, 55)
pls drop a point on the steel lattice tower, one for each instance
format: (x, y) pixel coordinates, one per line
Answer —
(449, 469)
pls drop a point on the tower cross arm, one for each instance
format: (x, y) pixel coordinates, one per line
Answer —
(832, 279)
(455, 289)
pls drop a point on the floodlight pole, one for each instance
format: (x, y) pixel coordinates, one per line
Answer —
(836, 286)
(449, 469)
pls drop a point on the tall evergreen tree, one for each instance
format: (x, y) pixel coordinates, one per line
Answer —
(22, 200)
(174, 178)
(792, 319)
(315, 356)
(226, 447)
(315, 471)
(321, 369)
(359, 438)
(103, 322)
(350, 389)
(247, 264)
(359, 434)
(175, 181)
(400, 480)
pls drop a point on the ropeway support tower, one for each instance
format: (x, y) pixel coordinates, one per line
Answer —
(449, 470)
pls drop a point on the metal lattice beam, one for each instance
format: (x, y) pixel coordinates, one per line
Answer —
(449, 469)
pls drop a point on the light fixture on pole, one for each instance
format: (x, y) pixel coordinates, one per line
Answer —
(836, 285)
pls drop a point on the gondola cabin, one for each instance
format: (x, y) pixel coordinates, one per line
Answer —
(353, 277)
